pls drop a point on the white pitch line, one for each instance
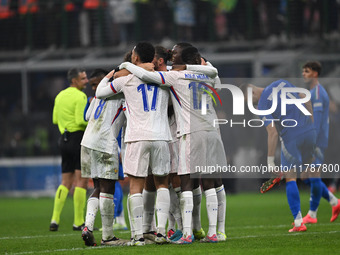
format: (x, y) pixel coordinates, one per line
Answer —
(286, 234)
(229, 238)
(38, 236)
(278, 226)
(227, 228)
(60, 250)
(48, 236)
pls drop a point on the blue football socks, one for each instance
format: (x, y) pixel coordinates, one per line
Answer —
(293, 197)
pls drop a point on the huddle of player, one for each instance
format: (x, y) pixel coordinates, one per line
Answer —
(165, 136)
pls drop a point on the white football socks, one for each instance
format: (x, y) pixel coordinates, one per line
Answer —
(91, 212)
(171, 221)
(132, 230)
(149, 209)
(332, 199)
(187, 205)
(106, 206)
(298, 220)
(196, 213)
(312, 213)
(136, 211)
(222, 204)
(175, 210)
(162, 208)
(211, 202)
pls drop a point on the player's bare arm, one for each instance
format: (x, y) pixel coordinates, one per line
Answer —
(121, 73)
(141, 73)
(205, 69)
(158, 78)
(178, 67)
(147, 66)
(110, 74)
(272, 143)
(107, 89)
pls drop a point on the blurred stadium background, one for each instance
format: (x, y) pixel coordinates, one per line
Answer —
(41, 39)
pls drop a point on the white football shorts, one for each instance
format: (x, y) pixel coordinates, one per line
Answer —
(199, 150)
(173, 147)
(141, 156)
(97, 164)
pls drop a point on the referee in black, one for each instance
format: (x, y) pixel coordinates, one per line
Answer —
(68, 114)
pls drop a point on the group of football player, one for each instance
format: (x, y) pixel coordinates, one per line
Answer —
(166, 134)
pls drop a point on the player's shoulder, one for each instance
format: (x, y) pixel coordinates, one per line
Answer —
(116, 97)
(132, 80)
(96, 100)
(177, 72)
(267, 91)
(124, 78)
(322, 91)
(281, 83)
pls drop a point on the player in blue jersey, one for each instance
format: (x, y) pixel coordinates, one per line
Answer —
(320, 103)
(297, 143)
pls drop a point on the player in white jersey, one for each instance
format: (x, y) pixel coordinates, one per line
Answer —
(198, 231)
(194, 129)
(147, 135)
(184, 54)
(160, 61)
(174, 180)
(162, 55)
(99, 160)
(219, 187)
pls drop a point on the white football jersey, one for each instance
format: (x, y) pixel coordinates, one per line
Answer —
(146, 106)
(188, 93)
(173, 128)
(105, 121)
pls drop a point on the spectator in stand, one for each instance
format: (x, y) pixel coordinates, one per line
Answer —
(6, 21)
(184, 19)
(123, 14)
(28, 11)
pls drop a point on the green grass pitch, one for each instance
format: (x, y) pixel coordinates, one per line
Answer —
(255, 224)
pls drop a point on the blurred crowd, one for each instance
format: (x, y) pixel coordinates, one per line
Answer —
(39, 24)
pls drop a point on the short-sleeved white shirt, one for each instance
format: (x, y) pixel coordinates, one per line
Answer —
(187, 89)
(146, 107)
(106, 120)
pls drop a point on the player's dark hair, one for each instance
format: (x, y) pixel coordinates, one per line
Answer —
(313, 65)
(127, 57)
(163, 53)
(98, 72)
(74, 73)
(183, 45)
(145, 51)
(190, 55)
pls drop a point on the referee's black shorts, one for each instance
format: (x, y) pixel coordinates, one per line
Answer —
(69, 144)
